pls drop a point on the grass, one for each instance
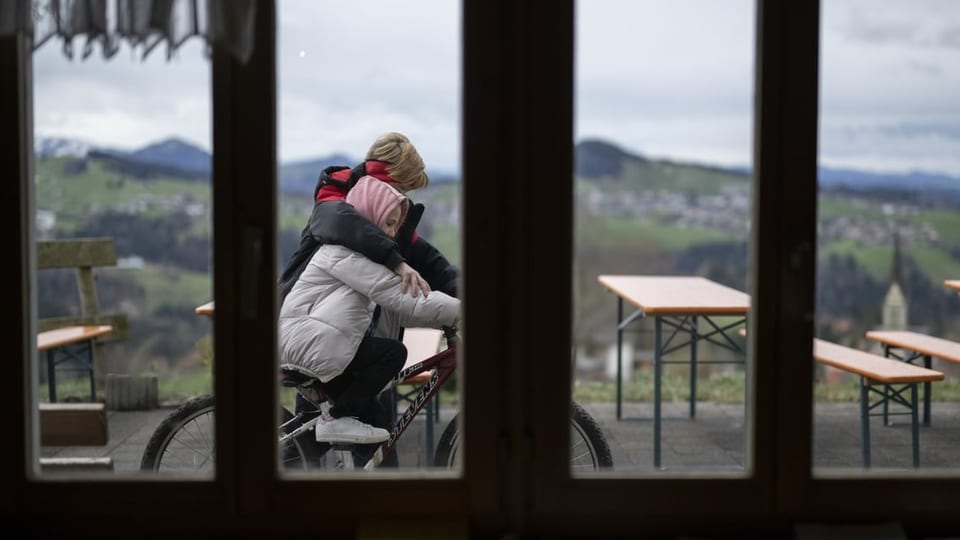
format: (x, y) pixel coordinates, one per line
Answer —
(668, 237)
(175, 388)
(947, 224)
(75, 197)
(722, 388)
(171, 288)
(936, 263)
(446, 238)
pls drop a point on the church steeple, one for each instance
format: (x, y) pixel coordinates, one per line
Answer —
(896, 274)
(895, 303)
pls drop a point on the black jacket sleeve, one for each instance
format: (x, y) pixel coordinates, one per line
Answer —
(337, 222)
(423, 257)
(433, 266)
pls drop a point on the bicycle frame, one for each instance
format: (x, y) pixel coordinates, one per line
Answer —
(444, 363)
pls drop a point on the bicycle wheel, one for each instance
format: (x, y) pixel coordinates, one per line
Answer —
(588, 447)
(302, 452)
(184, 442)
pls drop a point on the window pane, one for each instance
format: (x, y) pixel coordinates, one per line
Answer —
(663, 205)
(346, 78)
(889, 216)
(123, 223)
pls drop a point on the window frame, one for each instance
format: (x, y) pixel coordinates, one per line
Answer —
(517, 78)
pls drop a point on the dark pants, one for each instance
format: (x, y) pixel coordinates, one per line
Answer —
(354, 392)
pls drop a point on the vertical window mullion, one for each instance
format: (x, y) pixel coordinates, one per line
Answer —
(244, 202)
(15, 110)
(785, 237)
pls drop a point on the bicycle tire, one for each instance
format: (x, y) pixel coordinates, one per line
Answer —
(183, 443)
(188, 428)
(585, 434)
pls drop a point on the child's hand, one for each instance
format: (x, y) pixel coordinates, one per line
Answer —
(410, 280)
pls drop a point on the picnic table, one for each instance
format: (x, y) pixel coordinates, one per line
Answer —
(70, 343)
(679, 304)
(205, 309)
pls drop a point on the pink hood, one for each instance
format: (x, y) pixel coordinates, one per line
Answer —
(375, 199)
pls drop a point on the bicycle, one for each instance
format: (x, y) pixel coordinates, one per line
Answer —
(183, 442)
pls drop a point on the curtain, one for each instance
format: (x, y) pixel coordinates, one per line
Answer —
(143, 24)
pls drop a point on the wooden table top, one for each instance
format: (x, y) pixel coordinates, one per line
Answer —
(59, 337)
(694, 295)
(953, 284)
(206, 309)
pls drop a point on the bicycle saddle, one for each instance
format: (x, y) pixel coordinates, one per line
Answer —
(292, 378)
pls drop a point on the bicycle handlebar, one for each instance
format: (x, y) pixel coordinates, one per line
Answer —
(449, 332)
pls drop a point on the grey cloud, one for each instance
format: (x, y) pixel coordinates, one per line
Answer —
(882, 31)
(664, 77)
(926, 68)
(949, 37)
(912, 130)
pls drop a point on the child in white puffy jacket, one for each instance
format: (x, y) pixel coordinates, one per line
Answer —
(326, 318)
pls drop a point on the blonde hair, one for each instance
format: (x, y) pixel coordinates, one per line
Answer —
(403, 161)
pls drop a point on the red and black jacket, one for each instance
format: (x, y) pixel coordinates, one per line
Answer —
(333, 221)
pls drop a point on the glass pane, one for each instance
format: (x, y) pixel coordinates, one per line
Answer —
(123, 221)
(889, 217)
(381, 93)
(662, 224)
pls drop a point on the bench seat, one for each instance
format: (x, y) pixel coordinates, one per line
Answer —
(914, 346)
(70, 343)
(869, 365)
(68, 335)
(873, 370)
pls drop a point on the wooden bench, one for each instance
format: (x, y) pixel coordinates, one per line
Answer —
(896, 378)
(70, 343)
(77, 336)
(83, 256)
(73, 424)
(914, 346)
(207, 310)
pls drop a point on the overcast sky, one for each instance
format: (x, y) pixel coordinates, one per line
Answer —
(664, 79)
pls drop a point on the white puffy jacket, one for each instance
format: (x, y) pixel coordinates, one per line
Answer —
(326, 314)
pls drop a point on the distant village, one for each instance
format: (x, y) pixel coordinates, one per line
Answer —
(729, 212)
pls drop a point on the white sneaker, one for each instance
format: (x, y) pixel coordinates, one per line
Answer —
(349, 430)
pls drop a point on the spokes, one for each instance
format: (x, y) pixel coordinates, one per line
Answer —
(191, 448)
(581, 452)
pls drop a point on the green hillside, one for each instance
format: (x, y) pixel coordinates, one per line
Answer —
(625, 232)
(74, 189)
(649, 217)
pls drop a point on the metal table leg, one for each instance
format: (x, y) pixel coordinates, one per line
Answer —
(51, 377)
(619, 356)
(657, 368)
(865, 421)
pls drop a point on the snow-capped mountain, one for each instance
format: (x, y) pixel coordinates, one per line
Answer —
(171, 152)
(60, 147)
